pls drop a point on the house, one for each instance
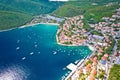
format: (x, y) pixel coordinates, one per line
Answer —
(91, 25)
(112, 19)
(98, 37)
(118, 34)
(103, 61)
(105, 18)
(114, 16)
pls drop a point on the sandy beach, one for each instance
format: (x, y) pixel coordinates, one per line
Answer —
(28, 25)
(7, 29)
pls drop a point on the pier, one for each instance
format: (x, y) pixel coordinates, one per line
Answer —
(73, 68)
(80, 64)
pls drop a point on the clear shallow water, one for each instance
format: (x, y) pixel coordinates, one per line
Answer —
(32, 53)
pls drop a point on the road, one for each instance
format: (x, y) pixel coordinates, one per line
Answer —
(110, 64)
(114, 50)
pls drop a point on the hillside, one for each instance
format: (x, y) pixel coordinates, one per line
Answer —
(101, 11)
(74, 8)
(14, 13)
(12, 19)
(32, 7)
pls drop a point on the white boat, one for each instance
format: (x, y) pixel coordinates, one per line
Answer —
(38, 52)
(31, 53)
(17, 48)
(68, 54)
(23, 58)
(54, 52)
(36, 46)
(18, 41)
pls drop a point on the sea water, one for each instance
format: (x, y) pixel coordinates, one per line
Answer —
(32, 53)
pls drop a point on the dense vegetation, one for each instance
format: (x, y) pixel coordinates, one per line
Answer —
(101, 11)
(69, 10)
(12, 19)
(73, 8)
(118, 45)
(86, 25)
(114, 73)
(14, 13)
(110, 48)
(32, 7)
(96, 33)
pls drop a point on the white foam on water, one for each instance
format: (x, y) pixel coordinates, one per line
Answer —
(13, 73)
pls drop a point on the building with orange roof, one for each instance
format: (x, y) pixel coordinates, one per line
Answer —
(115, 53)
(92, 75)
(88, 67)
(106, 55)
(93, 72)
(94, 60)
(100, 50)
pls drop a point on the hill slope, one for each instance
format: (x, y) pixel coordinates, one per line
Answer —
(18, 12)
(12, 19)
(32, 7)
(74, 8)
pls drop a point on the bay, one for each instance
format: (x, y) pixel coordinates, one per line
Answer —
(32, 53)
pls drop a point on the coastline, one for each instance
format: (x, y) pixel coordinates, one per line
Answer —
(61, 43)
(28, 25)
(90, 47)
(65, 44)
(8, 29)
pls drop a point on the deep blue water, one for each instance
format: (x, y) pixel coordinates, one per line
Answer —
(32, 53)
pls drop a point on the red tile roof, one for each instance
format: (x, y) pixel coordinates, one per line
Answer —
(88, 67)
(106, 55)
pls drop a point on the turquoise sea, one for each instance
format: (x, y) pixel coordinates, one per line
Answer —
(32, 53)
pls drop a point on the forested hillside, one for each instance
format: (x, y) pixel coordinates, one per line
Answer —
(15, 13)
(78, 7)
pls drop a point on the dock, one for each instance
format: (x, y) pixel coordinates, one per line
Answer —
(73, 68)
